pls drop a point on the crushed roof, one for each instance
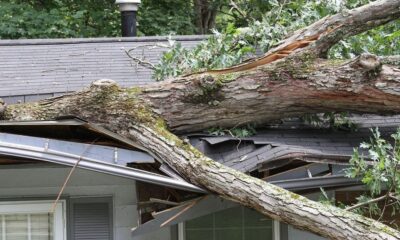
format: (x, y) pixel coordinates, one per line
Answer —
(283, 155)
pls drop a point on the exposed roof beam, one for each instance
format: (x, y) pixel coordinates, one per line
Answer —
(316, 182)
(202, 207)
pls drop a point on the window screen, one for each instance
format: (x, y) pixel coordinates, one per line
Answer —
(230, 224)
(91, 219)
(32, 220)
(26, 226)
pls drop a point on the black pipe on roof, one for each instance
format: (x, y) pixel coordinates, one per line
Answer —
(128, 23)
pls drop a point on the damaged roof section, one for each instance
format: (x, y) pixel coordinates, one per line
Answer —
(293, 158)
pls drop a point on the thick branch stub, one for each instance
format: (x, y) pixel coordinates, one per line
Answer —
(369, 62)
(103, 84)
(103, 88)
(391, 60)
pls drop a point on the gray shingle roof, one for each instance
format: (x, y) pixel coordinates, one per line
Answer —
(37, 69)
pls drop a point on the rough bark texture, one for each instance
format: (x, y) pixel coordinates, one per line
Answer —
(296, 84)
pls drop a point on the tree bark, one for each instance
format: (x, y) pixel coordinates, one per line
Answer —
(205, 13)
(298, 82)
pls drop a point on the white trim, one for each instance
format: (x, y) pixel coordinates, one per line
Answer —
(59, 216)
(3, 225)
(276, 230)
(181, 231)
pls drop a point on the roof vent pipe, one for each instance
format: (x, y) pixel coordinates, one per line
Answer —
(128, 9)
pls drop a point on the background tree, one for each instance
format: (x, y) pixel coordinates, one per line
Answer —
(58, 19)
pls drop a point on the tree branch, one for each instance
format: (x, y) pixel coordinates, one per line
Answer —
(366, 203)
(141, 61)
(292, 86)
(319, 37)
(334, 28)
(391, 60)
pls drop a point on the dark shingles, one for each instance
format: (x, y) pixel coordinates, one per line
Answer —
(37, 67)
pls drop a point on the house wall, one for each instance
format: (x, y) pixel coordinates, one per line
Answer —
(295, 234)
(22, 182)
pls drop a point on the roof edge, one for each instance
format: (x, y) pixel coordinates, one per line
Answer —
(16, 42)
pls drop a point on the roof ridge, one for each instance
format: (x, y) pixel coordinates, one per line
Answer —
(61, 41)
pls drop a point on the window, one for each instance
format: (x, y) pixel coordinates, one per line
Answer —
(231, 224)
(32, 221)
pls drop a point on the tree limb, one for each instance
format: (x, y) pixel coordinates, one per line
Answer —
(366, 203)
(293, 86)
(349, 23)
(320, 36)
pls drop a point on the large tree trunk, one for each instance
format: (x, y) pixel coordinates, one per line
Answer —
(290, 80)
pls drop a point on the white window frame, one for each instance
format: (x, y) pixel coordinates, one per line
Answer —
(275, 230)
(33, 207)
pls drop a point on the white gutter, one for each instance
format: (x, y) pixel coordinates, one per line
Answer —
(46, 154)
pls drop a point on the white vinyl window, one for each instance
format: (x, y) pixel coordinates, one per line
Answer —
(32, 220)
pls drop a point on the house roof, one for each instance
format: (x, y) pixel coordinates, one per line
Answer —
(35, 69)
(17, 149)
(250, 153)
(296, 156)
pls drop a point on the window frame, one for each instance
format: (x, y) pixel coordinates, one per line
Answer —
(40, 206)
(276, 230)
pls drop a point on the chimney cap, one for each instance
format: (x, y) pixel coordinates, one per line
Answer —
(128, 5)
(127, 1)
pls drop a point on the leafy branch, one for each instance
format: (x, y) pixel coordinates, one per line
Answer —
(379, 171)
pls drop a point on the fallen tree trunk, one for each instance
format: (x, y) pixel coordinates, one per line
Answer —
(297, 83)
(293, 86)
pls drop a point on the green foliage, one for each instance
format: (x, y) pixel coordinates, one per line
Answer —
(335, 121)
(380, 41)
(219, 51)
(58, 19)
(164, 17)
(239, 132)
(380, 173)
(232, 45)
